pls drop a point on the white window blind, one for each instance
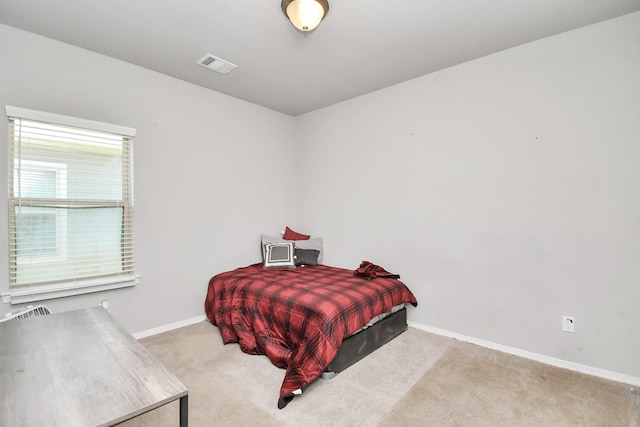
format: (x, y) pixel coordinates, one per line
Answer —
(70, 200)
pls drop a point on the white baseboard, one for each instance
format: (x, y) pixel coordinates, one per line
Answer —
(169, 327)
(577, 367)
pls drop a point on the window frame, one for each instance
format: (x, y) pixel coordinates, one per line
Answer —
(17, 294)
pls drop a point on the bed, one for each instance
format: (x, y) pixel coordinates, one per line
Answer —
(308, 320)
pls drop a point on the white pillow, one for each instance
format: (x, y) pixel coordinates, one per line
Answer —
(267, 240)
(279, 255)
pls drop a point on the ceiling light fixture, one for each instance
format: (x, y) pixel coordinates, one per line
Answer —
(305, 15)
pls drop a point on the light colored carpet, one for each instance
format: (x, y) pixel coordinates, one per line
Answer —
(418, 379)
(474, 386)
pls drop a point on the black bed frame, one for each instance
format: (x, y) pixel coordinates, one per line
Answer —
(365, 342)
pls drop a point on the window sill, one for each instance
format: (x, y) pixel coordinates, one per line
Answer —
(61, 290)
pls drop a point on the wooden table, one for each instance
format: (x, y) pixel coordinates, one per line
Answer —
(79, 368)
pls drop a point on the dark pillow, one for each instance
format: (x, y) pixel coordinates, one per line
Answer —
(289, 234)
(306, 256)
(314, 243)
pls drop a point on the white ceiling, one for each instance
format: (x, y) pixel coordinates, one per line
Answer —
(361, 46)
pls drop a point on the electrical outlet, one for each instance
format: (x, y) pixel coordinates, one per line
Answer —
(568, 324)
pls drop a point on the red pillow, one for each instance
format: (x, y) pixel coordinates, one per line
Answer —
(289, 234)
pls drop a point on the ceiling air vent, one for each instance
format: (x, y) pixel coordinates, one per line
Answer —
(216, 64)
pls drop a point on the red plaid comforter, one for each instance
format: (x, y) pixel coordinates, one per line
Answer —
(298, 317)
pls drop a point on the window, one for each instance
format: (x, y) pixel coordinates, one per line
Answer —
(70, 206)
(43, 230)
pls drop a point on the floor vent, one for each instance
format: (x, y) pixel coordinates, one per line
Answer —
(29, 311)
(216, 64)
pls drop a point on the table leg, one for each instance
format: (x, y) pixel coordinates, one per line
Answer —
(184, 411)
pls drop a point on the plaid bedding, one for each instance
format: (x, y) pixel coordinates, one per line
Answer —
(297, 317)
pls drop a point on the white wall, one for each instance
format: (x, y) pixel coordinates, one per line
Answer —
(503, 190)
(199, 162)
